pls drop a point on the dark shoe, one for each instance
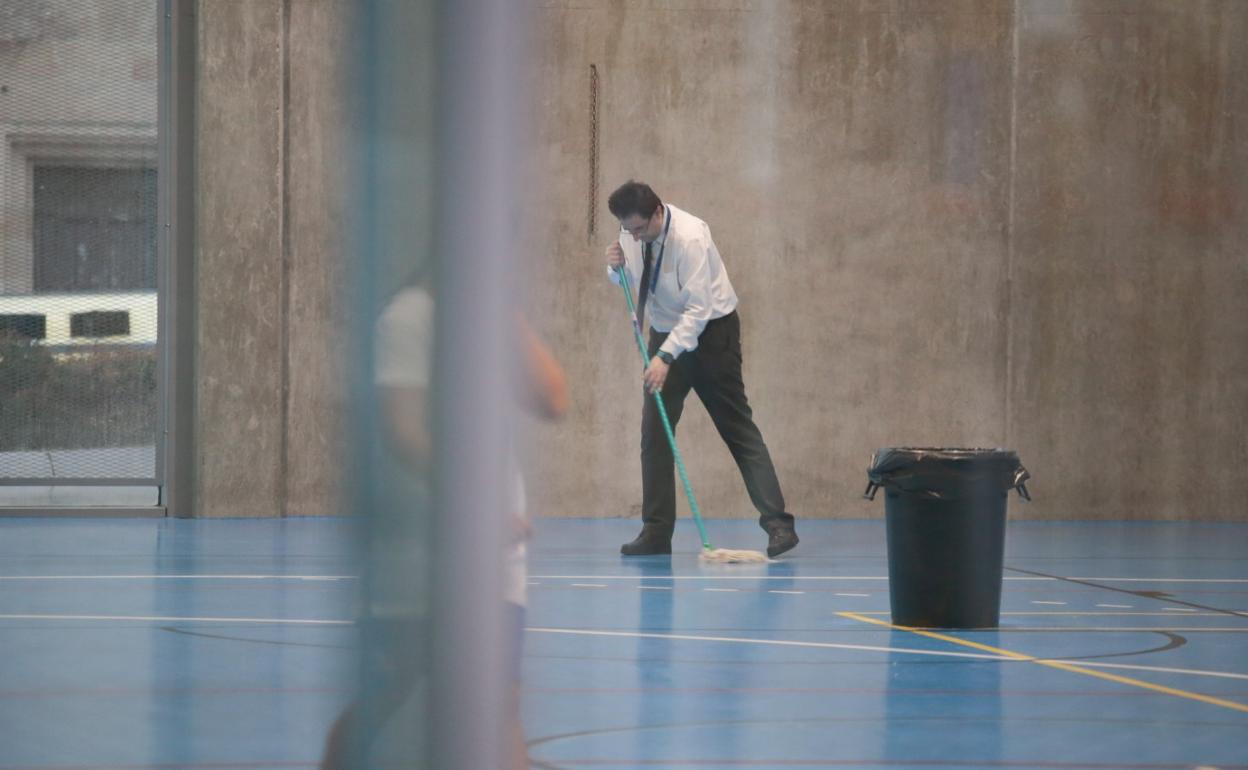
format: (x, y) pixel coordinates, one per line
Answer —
(780, 540)
(648, 544)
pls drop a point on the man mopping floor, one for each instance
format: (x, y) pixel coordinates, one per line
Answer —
(695, 342)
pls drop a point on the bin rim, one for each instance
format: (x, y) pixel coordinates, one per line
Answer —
(949, 450)
(888, 460)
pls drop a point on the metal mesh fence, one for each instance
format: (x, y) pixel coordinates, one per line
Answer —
(78, 202)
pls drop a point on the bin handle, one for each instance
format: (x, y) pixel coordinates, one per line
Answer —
(872, 488)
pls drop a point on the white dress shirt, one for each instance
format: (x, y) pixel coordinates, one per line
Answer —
(691, 287)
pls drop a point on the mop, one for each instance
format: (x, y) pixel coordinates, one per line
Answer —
(709, 553)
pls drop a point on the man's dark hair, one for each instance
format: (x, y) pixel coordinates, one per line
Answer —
(633, 198)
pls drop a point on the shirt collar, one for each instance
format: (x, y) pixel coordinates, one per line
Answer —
(664, 228)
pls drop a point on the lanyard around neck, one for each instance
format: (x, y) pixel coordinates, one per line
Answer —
(658, 262)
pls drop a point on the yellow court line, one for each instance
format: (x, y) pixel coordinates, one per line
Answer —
(1054, 664)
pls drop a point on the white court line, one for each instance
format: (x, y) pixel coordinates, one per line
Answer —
(796, 593)
(178, 577)
(1008, 578)
(171, 619)
(656, 588)
(1176, 629)
(1160, 580)
(1159, 669)
(1177, 609)
(1037, 601)
(772, 642)
(634, 635)
(727, 577)
(1117, 606)
(741, 577)
(870, 648)
(852, 594)
(724, 590)
(589, 585)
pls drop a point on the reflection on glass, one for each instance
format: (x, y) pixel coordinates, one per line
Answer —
(442, 361)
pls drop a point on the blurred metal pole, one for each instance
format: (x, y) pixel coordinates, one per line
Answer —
(481, 109)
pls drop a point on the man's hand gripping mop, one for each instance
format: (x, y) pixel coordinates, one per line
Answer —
(709, 554)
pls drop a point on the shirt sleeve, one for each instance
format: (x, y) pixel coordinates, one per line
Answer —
(629, 265)
(695, 295)
(404, 341)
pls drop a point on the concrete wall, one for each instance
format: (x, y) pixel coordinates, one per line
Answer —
(269, 403)
(966, 223)
(976, 222)
(1129, 352)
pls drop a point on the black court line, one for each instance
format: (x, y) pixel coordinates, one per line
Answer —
(920, 763)
(764, 764)
(562, 763)
(1174, 641)
(184, 632)
(1158, 595)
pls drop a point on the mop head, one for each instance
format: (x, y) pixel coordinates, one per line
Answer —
(729, 556)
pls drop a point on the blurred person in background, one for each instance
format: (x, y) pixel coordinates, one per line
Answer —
(395, 626)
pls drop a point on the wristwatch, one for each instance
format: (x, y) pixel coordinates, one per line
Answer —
(665, 357)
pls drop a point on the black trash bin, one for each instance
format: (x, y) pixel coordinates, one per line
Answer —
(945, 516)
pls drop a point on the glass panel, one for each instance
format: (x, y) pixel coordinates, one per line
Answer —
(438, 490)
(78, 299)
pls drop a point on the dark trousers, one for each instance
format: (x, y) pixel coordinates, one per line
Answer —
(713, 371)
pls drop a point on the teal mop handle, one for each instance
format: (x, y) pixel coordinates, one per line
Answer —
(658, 399)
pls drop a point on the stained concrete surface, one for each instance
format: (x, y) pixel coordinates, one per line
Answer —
(983, 222)
(239, 270)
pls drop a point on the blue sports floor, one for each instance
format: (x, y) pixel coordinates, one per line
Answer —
(149, 644)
